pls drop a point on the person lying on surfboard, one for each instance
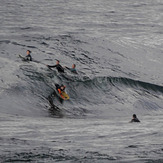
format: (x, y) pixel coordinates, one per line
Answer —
(134, 118)
(73, 69)
(60, 90)
(28, 57)
(57, 66)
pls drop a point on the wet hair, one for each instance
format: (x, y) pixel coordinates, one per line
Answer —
(74, 65)
(63, 86)
(29, 51)
(134, 115)
(57, 60)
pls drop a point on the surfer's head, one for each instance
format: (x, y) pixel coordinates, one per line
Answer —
(73, 66)
(28, 52)
(57, 61)
(62, 87)
(134, 116)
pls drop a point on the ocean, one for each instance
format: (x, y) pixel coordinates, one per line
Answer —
(117, 46)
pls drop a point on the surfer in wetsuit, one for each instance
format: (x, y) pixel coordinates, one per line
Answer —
(57, 66)
(60, 89)
(134, 118)
(28, 56)
(73, 69)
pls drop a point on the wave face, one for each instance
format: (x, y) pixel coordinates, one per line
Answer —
(102, 72)
(117, 47)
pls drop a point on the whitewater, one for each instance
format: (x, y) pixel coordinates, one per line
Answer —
(117, 46)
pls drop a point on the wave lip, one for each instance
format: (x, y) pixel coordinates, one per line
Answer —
(136, 84)
(119, 81)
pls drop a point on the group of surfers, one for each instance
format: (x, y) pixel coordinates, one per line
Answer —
(61, 69)
(28, 57)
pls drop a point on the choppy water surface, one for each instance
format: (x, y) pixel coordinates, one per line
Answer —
(117, 47)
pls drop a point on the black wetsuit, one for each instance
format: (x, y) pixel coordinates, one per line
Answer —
(28, 57)
(58, 67)
(57, 86)
(135, 120)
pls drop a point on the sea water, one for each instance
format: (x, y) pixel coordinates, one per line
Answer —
(117, 47)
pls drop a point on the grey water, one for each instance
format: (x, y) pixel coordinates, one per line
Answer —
(117, 46)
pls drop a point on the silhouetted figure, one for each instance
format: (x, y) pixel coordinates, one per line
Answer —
(57, 66)
(28, 57)
(134, 118)
(73, 69)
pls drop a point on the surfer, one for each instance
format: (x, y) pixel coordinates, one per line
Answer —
(73, 69)
(57, 66)
(60, 89)
(28, 56)
(134, 118)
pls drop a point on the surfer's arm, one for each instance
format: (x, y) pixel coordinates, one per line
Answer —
(71, 69)
(26, 58)
(67, 67)
(59, 91)
(51, 66)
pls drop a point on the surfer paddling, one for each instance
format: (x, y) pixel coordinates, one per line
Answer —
(134, 118)
(28, 56)
(57, 66)
(73, 69)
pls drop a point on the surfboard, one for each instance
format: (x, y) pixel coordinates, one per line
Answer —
(64, 94)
